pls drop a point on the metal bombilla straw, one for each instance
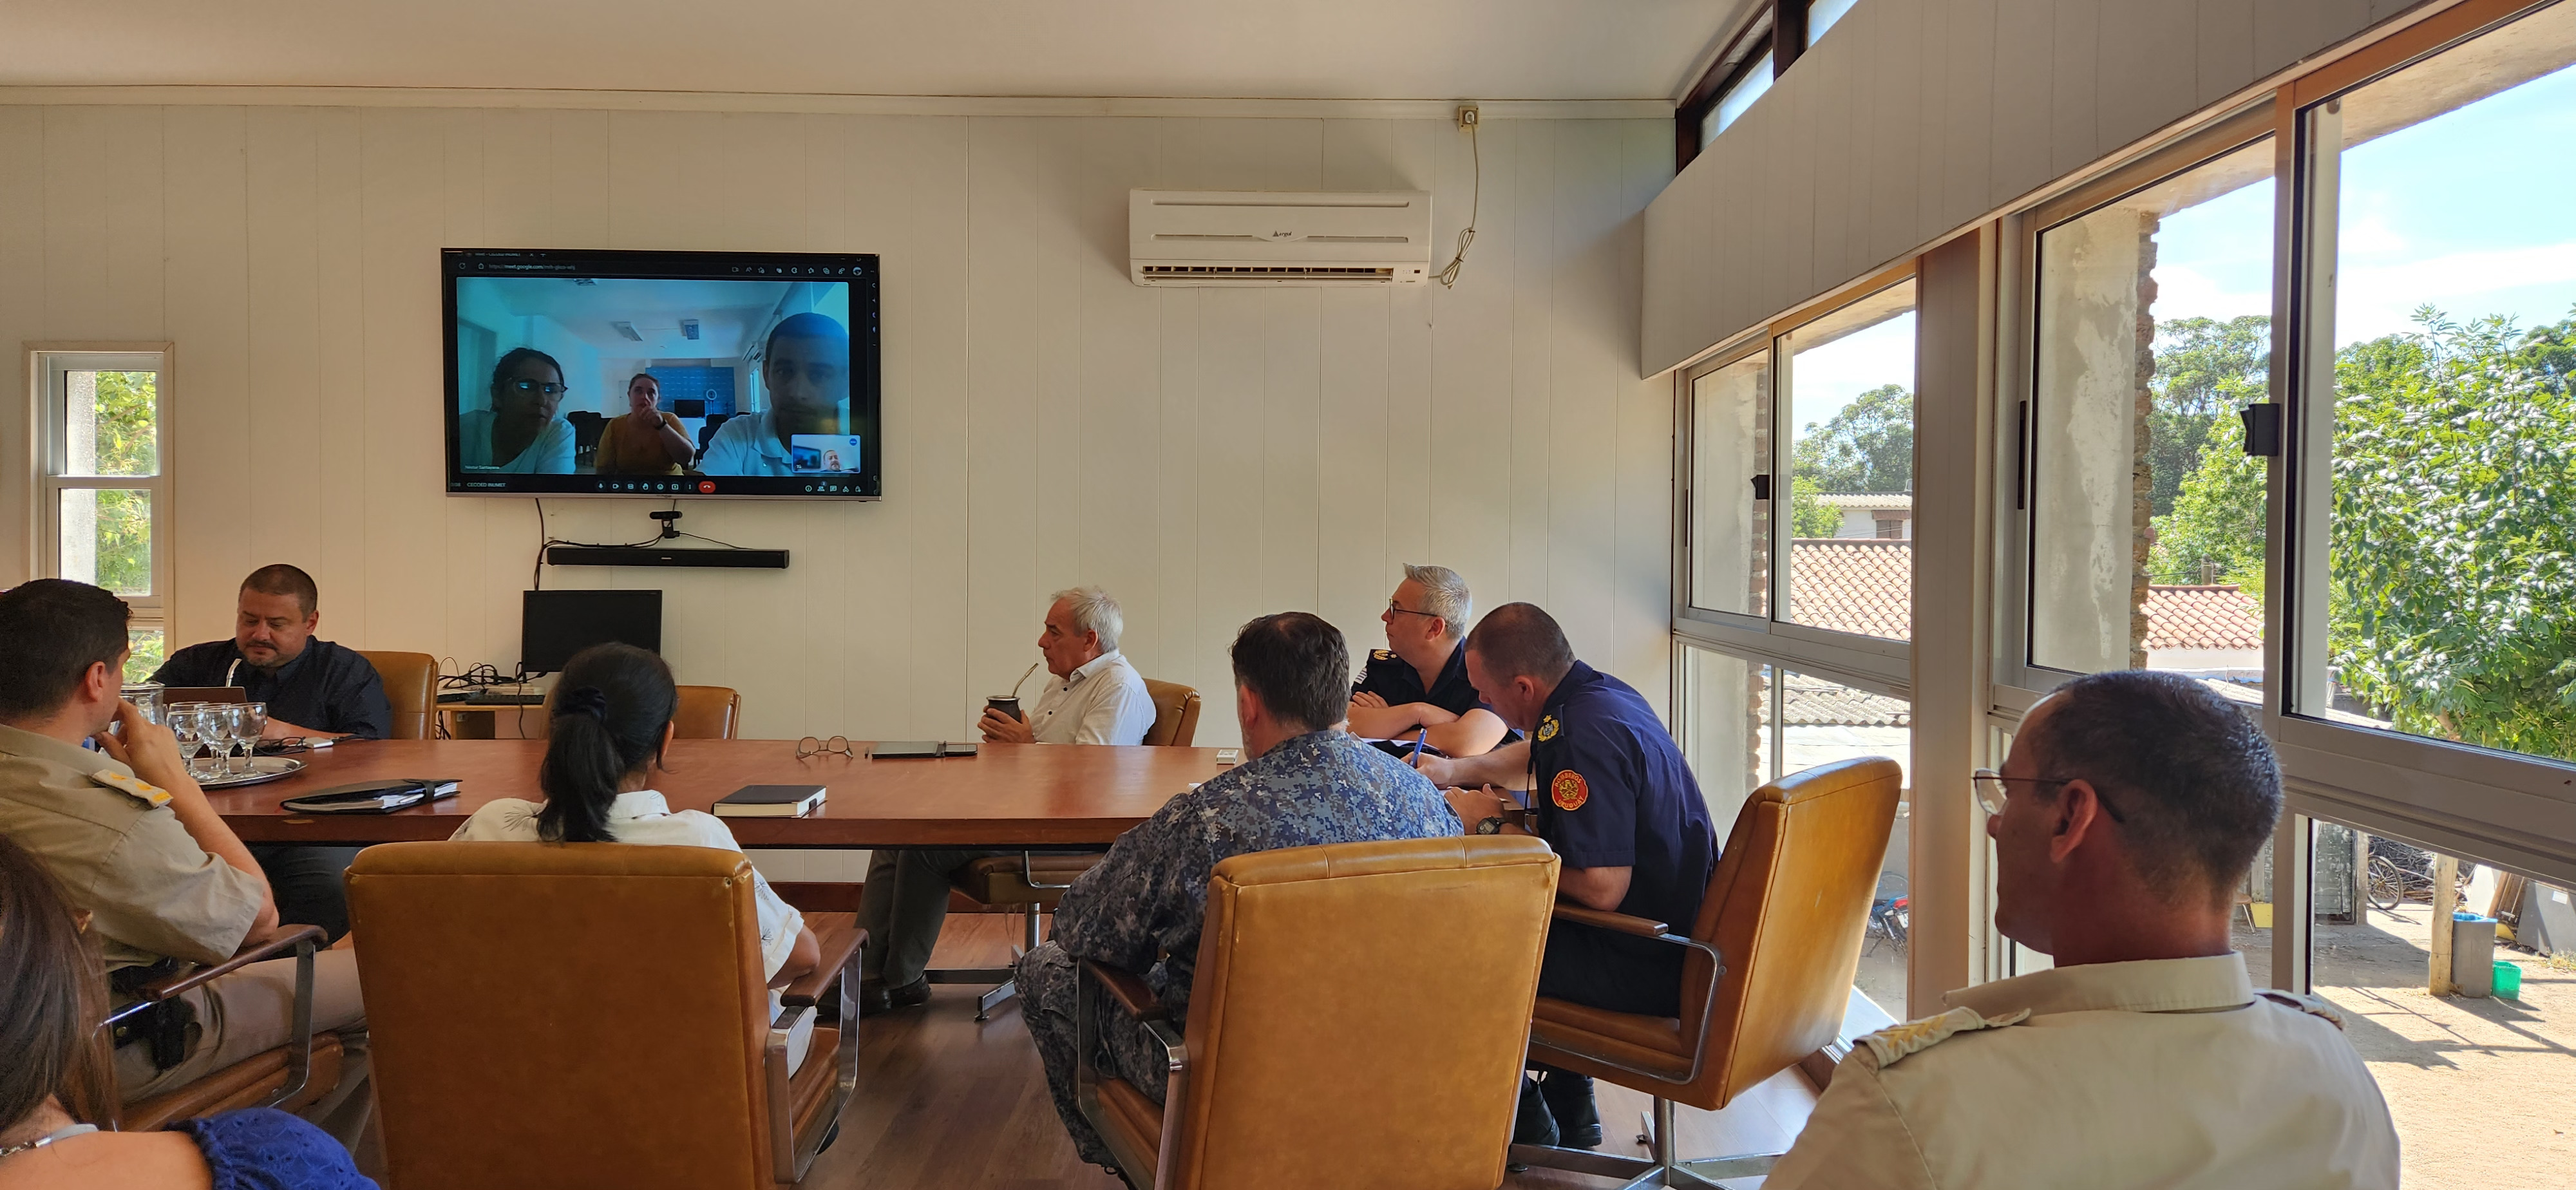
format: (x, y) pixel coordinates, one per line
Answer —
(1024, 678)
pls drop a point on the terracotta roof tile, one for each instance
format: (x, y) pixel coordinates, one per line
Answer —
(1818, 702)
(1866, 585)
(2203, 618)
(1853, 584)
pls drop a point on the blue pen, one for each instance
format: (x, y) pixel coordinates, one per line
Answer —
(1417, 740)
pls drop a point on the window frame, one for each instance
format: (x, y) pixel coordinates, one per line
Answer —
(2016, 447)
(1864, 662)
(47, 365)
(2514, 810)
(1775, 31)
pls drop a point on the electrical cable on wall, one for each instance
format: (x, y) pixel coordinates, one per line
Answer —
(1448, 275)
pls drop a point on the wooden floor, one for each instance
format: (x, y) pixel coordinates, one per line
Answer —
(944, 1101)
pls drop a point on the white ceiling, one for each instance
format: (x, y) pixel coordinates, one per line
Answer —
(1305, 49)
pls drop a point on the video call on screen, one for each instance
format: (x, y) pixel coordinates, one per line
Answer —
(757, 384)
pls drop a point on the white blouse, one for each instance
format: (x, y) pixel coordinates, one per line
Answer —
(643, 818)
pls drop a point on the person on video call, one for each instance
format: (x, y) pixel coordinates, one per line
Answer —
(521, 433)
(645, 440)
(807, 371)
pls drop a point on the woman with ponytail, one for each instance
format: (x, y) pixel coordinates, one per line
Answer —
(612, 711)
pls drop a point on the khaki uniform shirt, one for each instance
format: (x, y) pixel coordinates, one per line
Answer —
(150, 889)
(2169, 1073)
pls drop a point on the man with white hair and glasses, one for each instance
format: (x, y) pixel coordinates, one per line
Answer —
(1417, 685)
(1096, 698)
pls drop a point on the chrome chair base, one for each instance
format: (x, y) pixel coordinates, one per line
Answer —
(1004, 980)
(1664, 1170)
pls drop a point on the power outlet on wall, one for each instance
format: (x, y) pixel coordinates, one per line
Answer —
(1467, 116)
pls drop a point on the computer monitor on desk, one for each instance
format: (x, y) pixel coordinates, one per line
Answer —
(554, 625)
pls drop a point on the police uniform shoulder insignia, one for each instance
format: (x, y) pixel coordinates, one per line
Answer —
(139, 789)
(1547, 729)
(1381, 654)
(2317, 1006)
(1569, 791)
(1890, 1045)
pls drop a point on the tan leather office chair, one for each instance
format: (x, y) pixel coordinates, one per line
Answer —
(589, 1014)
(1034, 881)
(707, 713)
(1176, 714)
(411, 685)
(1356, 1021)
(1785, 909)
(292, 1076)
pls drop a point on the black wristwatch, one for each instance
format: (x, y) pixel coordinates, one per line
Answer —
(1490, 826)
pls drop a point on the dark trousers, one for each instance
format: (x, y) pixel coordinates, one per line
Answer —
(1611, 971)
(309, 883)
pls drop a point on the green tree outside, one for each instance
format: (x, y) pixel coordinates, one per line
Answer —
(1808, 516)
(125, 443)
(2206, 369)
(2217, 516)
(2451, 600)
(2452, 586)
(1868, 446)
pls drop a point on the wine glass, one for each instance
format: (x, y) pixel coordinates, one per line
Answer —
(219, 732)
(238, 734)
(186, 720)
(254, 726)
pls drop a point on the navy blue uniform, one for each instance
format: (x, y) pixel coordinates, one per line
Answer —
(326, 687)
(1612, 792)
(1394, 679)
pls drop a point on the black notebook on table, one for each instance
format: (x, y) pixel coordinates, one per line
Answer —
(770, 801)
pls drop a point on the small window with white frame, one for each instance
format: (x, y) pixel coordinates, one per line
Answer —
(102, 506)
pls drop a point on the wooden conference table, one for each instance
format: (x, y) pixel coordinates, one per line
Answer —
(1013, 795)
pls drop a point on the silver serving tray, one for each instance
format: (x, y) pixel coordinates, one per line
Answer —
(263, 769)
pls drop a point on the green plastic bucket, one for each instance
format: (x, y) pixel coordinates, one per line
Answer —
(2508, 979)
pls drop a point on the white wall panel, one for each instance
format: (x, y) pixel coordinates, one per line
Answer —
(22, 307)
(1917, 119)
(1208, 455)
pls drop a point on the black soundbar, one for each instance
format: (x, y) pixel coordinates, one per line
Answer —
(584, 555)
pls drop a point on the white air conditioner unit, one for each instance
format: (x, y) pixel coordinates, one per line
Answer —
(1252, 237)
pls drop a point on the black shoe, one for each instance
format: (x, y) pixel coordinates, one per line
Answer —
(1569, 1100)
(1534, 1125)
(872, 998)
(910, 995)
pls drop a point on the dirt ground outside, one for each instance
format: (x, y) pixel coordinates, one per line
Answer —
(2483, 1090)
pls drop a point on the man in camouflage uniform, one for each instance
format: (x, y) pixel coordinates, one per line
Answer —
(1307, 783)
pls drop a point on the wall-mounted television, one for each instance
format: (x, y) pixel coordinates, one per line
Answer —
(662, 374)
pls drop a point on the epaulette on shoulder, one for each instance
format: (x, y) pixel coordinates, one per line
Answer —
(151, 795)
(2317, 1006)
(1893, 1044)
(1381, 654)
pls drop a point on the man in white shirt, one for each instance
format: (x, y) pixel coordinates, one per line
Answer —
(2129, 811)
(806, 369)
(1097, 698)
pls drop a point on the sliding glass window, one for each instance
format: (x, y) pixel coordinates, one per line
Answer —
(2436, 582)
(102, 490)
(1730, 508)
(2153, 333)
(1848, 390)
